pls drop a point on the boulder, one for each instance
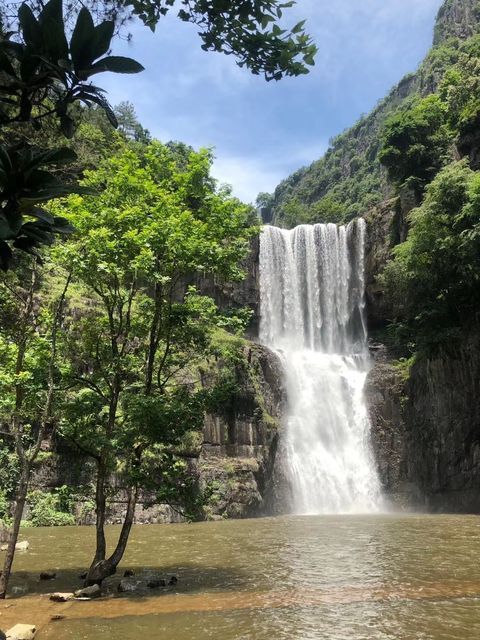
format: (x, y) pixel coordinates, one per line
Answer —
(22, 632)
(61, 597)
(88, 592)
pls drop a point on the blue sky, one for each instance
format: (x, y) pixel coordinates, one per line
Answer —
(261, 131)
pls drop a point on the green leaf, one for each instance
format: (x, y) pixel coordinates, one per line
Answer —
(298, 27)
(67, 125)
(103, 37)
(5, 255)
(54, 156)
(6, 66)
(116, 64)
(53, 30)
(31, 31)
(103, 102)
(81, 42)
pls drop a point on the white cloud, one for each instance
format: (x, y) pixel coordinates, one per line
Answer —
(247, 176)
(250, 175)
(263, 132)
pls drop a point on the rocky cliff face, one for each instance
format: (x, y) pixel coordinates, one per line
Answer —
(458, 19)
(234, 295)
(426, 429)
(234, 465)
(240, 444)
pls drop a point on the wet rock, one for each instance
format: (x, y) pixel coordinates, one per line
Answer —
(48, 575)
(20, 546)
(155, 583)
(173, 580)
(88, 592)
(61, 597)
(22, 632)
(128, 573)
(127, 585)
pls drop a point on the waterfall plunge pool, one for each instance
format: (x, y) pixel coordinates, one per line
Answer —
(377, 577)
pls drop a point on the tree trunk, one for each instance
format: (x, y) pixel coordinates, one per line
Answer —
(100, 510)
(104, 568)
(20, 500)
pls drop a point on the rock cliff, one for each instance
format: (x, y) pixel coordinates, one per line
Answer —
(234, 464)
(426, 428)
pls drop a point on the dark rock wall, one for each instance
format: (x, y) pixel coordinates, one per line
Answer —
(240, 444)
(426, 429)
(236, 459)
(234, 295)
(426, 421)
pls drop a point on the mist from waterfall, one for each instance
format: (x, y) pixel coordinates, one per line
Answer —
(312, 313)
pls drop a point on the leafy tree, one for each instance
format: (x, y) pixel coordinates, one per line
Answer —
(132, 351)
(41, 74)
(28, 352)
(416, 142)
(433, 282)
(129, 125)
(246, 29)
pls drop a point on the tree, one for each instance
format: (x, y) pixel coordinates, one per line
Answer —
(28, 350)
(416, 142)
(246, 29)
(41, 74)
(129, 125)
(133, 351)
(433, 281)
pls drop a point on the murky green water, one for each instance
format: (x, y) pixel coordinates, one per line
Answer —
(302, 578)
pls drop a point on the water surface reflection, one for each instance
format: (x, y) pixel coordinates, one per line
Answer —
(305, 578)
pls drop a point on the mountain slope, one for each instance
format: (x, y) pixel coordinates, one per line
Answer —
(349, 179)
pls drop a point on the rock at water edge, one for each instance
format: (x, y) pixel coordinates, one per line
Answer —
(22, 632)
(88, 592)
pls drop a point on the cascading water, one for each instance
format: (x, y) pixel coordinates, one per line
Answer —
(312, 313)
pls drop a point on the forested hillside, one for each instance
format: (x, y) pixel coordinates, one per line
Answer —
(350, 179)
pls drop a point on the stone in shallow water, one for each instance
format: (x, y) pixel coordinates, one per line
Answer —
(61, 597)
(48, 575)
(155, 583)
(88, 592)
(126, 585)
(22, 632)
(20, 546)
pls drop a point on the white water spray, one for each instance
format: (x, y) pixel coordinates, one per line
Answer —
(312, 314)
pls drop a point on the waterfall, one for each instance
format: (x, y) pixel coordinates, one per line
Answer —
(312, 314)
